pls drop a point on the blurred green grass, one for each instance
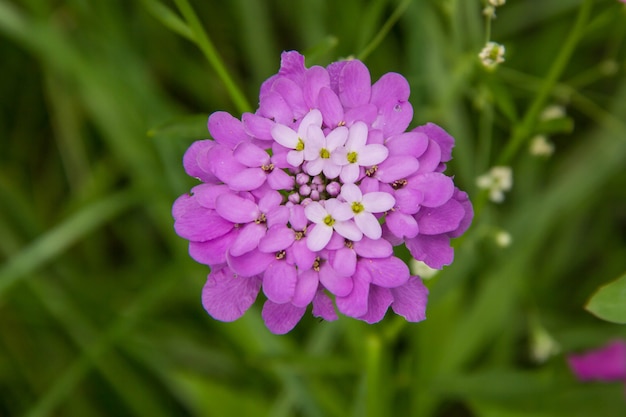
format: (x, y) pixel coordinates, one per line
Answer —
(100, 309)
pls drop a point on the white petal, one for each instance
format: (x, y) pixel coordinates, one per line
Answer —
(351, 193)
(314, 117)
(372, 155)
(315, 212)
(340, 156)
(369, 225)
(331, 170)
(314, 167)
(317, 238)
(295, 158)
(285, 136)
(349, 230)
(336, 138)
(357, 137)
(349, 173)
(377, 202)
(342, 212)
(315, 141)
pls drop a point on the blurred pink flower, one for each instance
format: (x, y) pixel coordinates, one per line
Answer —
(608, 363)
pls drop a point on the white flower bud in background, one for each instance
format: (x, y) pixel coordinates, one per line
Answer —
(541, 146)
(553, 111)
(497, 3)
(503, 239)
(498, 180)
(492, 55)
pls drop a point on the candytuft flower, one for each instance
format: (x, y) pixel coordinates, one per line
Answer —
(305, 199)
(607, 363)
(492, 55)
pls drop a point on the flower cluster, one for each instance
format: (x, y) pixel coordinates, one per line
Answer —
(307, 197)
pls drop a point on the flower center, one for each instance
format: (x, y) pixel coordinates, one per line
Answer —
(324, 153)
(352, 157)
(396, 185)
(300, 145)
(328, 220)
(267, 168)
(371, 171)
(261, 219)
(357, 207)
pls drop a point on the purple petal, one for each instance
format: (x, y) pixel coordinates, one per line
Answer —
(378, 302)
(252, 263)
(323, 306)
(331, 108)
(302, 255)
(247, 239)
(306, 288)
(200, 224)
(463, 199)
(409, 300)
(390, 85)
(277, 238)
(279, 282)
(410, 143)
(442, 219)
(212, 252)
(191, 158)
(388, 272)
(292, 93)
(251, 155)
(334, 73)
(227, 297)
(396, 167)
(394, 117)
(443, 139)
(344, 261)
(247, 180)
(355, 303)
(408, 200)
(236, 209)
(277, 216)
(227, 130)
(333, 282)
(402, 225)
(221, 162)
(292, 66)
(297, 218)
(435, 251)
(368, 248)
(257, 126)
(206, 194)
(315, 79)
(281, 318)
(437, 188)
(273, 106)
(366, 113)
(280, 180)
(355, 84)
(431, 158)
(607, 363)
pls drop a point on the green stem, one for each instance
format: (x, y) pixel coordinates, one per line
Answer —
(397, 13)
(374, 396)
(206, 46)
(523, 131)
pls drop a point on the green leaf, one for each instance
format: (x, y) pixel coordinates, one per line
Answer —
(609, 301)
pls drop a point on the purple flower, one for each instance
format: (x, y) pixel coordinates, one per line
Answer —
(305, 199)
(607, 363)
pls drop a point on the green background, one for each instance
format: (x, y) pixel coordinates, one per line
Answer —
(100, 311)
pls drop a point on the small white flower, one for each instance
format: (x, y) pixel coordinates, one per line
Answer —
(542, 344)
(503, 239)
(498, 180)
(333, 215)
(541, 146)
(320, 149)
(356, 153)
(291, 139)
(489, 12)
(553, 111)
(497, 3)
(364, 205)
(492, 55)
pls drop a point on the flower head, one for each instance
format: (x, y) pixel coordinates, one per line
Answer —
(492, 55)
(498, 180)
(305, 199)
